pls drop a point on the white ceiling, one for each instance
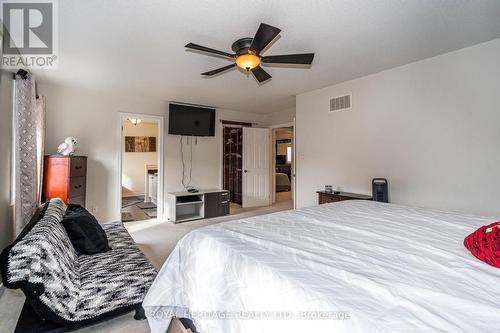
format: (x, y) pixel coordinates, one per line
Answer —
(137, 47)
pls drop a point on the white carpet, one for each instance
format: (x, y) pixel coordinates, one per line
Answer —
(156, 240)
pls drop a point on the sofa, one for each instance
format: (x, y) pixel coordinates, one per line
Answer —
(69, 289)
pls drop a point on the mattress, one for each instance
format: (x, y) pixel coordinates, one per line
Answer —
(351, 266)
(282, 182)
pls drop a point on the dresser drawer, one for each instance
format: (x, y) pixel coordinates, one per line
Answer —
(76, 187)
(324, 198)
(223, 208)
(78, 167)
(216, 204)
(65, 177)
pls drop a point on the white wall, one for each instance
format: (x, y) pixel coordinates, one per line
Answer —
(6, 84)
(280, 117)
(431, 127)
(134, 163)
(92, 117)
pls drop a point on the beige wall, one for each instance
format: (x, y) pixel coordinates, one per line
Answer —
(6, 83)
(134, 163)
(93, 118)
(280, 117)
(431, 127)
(283, 134)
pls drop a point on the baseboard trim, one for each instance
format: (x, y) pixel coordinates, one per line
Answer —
(132, 194)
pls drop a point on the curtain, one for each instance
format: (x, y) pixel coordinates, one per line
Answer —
(29, 133)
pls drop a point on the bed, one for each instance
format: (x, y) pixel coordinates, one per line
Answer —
(351, 266)
(282, 182)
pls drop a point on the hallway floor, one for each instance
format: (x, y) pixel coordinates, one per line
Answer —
(135, 209)
(283, 196)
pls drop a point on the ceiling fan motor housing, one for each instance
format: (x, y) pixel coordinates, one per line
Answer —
(242, 45)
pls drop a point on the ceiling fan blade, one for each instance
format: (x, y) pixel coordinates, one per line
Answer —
(265, 34)
(260, 74)
(304, 59)
(208, 50)
(218, 70)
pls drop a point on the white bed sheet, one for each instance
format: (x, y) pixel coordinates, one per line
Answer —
(380, 267)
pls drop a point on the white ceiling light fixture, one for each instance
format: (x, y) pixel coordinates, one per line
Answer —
(135, 121)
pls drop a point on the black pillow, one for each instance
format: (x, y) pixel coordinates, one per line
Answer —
(84, 231)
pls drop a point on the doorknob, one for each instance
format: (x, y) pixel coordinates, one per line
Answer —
(245, 171)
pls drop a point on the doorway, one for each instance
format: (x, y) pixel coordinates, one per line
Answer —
(246, 163)
(141, 159)
(283, 164)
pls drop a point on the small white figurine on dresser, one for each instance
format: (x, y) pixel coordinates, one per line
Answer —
(68, 147)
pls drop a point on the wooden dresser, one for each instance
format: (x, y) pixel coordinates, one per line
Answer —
(65, 177)
(326, 197)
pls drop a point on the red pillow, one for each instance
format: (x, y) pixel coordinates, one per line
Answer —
(484, 244)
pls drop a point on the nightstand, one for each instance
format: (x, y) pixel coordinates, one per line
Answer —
(326, 197)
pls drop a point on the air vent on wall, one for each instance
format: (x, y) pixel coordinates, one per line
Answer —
(340, 103)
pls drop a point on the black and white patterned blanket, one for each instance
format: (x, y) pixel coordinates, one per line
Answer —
(67, 287)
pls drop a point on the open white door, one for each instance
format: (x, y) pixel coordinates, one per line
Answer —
(255, 182)
(294, 165)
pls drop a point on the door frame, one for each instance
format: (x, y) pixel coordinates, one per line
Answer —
(161, 158)
(272, 169)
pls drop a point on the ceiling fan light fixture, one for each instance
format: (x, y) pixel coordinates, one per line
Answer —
(248, 61)
(247, 54)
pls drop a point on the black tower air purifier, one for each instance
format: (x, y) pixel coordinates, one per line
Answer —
(380, 190)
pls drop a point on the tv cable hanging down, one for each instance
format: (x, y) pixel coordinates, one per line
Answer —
(186, 183)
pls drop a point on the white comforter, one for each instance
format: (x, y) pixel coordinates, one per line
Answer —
(365, 266)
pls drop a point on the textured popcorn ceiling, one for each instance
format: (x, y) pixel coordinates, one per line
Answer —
(136, 48)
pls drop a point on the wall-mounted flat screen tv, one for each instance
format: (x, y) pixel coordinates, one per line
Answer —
(191, 120)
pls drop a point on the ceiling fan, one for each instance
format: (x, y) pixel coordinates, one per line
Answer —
(247, 54)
